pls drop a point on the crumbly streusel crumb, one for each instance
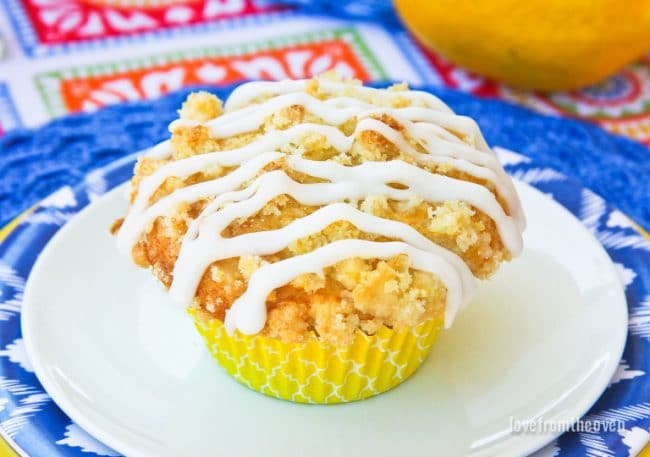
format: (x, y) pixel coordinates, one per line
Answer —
(201, 106)
(352, 295)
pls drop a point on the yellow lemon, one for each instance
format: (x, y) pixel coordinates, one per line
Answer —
(539, 44)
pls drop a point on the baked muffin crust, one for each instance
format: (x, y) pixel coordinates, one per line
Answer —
(353, 294)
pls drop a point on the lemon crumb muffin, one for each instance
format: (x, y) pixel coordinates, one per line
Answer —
(320, 213)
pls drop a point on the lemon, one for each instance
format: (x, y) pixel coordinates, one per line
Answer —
(538, 44)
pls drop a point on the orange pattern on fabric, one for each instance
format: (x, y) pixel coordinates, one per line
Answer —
(298, 61)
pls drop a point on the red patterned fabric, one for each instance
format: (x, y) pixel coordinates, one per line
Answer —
(68, 21)
(80, 55)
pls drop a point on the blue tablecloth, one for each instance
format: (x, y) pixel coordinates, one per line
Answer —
(34, 163)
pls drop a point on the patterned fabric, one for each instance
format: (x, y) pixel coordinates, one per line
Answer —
(79, 55)
(51, 27)
(299, 56)
(620, 104)
(8, 115)
(31, 419)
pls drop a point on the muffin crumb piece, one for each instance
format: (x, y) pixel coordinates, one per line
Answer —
(201, 106)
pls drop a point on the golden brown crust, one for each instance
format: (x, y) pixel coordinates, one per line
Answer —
(351, 295)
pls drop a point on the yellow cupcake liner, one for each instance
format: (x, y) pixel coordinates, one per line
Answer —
(317, 372)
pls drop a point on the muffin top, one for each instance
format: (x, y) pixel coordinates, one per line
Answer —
(319, 208)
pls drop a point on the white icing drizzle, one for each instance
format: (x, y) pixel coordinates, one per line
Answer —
(243, 192)
(200, 250)
(481, 165)
(419, 122)
(161, 151)
(249, 92)
(334, 111)
(199, 242)
(248, 312)
(137, 221)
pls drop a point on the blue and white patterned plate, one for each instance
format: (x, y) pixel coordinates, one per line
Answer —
(34, 424)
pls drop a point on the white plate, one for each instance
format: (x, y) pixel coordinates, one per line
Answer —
(541, 339)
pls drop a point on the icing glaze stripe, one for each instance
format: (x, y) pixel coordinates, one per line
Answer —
(428, 133)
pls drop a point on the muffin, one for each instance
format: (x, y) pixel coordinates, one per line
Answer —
(320, 232)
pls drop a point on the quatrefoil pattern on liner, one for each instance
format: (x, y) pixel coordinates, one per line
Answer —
(316, 372)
